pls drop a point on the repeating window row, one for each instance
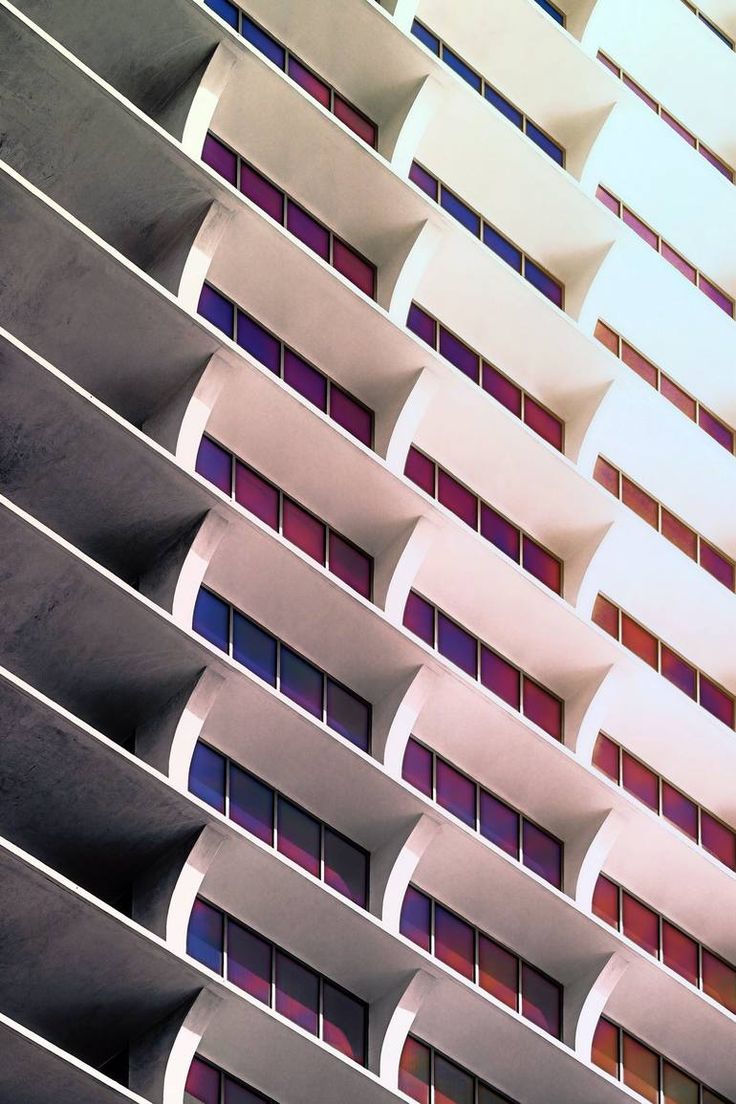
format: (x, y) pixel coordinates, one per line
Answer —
(659, 517)
(483, 811)
(476, 659)
(293, 369)
(278, 822)
(284, 59)
(498, 530)
(658, 937)
(482, 960)
(283, 514)
(533, 273)
(210, 1085)
(275, 978)
(491, 94)
(279, 206)
(428, 1077)
(710, 25)
(657, 108)
(274, 662)
(517, 401)
(652, 238)
(666, 800)
(644, 1071)
(658, 655)
(655, 377)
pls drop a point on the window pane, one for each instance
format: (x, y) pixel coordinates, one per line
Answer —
(605, 1047)
(639, 92)
(417, 767)
(221, 159)
(454, 62)
(214, 464)
(203, 1082)
(638, 640)
(552, 11)
(254, 648)
(640, 781)
(716, 564)
(353, 119)
(605, 756)
(499, 823)
(640, 924)
(677, 397)
(500, 532)
(207, 776)
(605, 901)
(500, 676)
(716, 295)
(542, 422)
(502, 389)
(605, 615)
(350, 564)
(305, 379)
(419, 617)
(424, 180)
(262, 192)
(348, 714)
(251, 804)
(301, 682)
(354, 267)
(420, 469)
(639, 501)
(543, 708)
(229, 13)
(235, 1093)
(608, 200)
(498, 971)
(679, 534)
(416, 922)
(345, 867)
(343, 1025)
(256, 494)
(542, 853)
(351, 415)
(459, 210)
(679, 952)
(680, 810)
(425, 36)
(678, 1087)
(716, 429)
(639, 364)
(545, 142)
(311, 83)
(678, 128)
(678, 262)
(452, 1085)
(457, 645)
(299, 836)
(458, 353)
(212, 619)
(542, 565)
(606, 336)
(308, 230)
(422, 324)
(455, 792)
(719, 980)
(249, 962)
(502, 104)
(545, 283)
(608, 476)
(263, 42)
(204, 936)
(716, 700)
(454, 941)
(297, 992)
(259, 343)
(540, 1000)
(719, 840)
(677, 671)
(414, 1071)
(716, 162)
(641, 1069)
(216, 309)
(457, 498)
(304, 530)
(609, 64)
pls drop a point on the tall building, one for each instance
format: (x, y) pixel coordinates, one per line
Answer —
(366, 442)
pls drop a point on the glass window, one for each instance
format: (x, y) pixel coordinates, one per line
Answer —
(353, 119)
(254, 648)
(345, 867)
(419, 617)
(605, 615)
(715, 295)
(305, 379)
(641, 1069)
(251, 804)
(301, 682)
(459, 66)
(640, 924)
(308, 230)
(221, 159)
(348, 714)
(680, 810)
(422, 324)
(640, 228)
(542, 853)
(716, 564)
(351, 415)
(719, 840)
(678, 262)
(350, 564)
(414, 1070)
(229, 13)
(262, 192)
(543, 708)
(235, 1093)
(605, 756)
(607, 337)
(498, 971)
(425, 36)
(500, 676)
(354, 267)
(678, 397)
(719, 980)
(457, 645)
(608, 200)
(543, 282)
(543, 566)
(640, 781)
(502, 104)
(304, 530)
(639, 364)
(416, 918)
(455, 792)
(542, 422)
(424, 180)
(216, 309)
(499, 823)
(552, 11)
(203, 1082)
(544, 142)
(343, 1024)
(256, 494)
(299, 836)
(605, 1047)
(263, 42)
(679, 534)
(311, 83)
(501, 246)
(454, 941)
(677, 1087)
(640, 502)
(458, 353)
(259, 343)
(420, 469)
(214, 464)
(677, 671)
(716, 700)
(459, 210)
(639, 641)
(716, 429)
(679, 952)
(540, 1000)
(417, 767)
(207, 776)
(457, 498)
(297, 992)
(605, 901)
(204, 936)
(212, 619)
(249, 962)
(500, 532)
(502, 389)
(452, 1085)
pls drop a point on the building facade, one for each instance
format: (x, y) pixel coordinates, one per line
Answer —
(366, 434)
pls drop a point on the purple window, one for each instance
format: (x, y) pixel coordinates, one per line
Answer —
(207, 776)
(204, 936)
(221, 159)
(719, 980)
(542, 422)
(540, 1000)
(455, 792)
(605, 756)
(235, 1093)
(452, 1085)
(251, 804)
(716, 701)
(345, 867)
(500, 676)
(212, 619)
(203, 1082)
(502, 247)
(249, 962)
(305, 379)
(458, 353)
(716, 564)
(543, 282)
(424, 180)
(349, 715)
(454, 942)
(414, 1071)
(499, 823)
(299, 836)
(640, 924)
(316, 88)
(420, 469)
(354, 267)
(259, 343)
(498, 971)
(542, 853)
(254, 648)
(605, 901)
(263, 42)
(640, 781)
(422, 324)
(350, 564)
(715, 429)
(304, 530)
(457, 645)
(297, 992)
(680, 810)
(716, 295)
(417, 767)
(502, 389)
(677, 671)
(216, 309)
(343, 1022)
(543, 566)
(500, 532)
(457, 498)
(717, 839)
(680, 952)
(416, 918)
(351, 415)
(419, 617)
(256, 494)
(214, 464)
(308, 230)
(543, 708)
(356, 122)
(262, 192)
(301, 682)
(460, 211)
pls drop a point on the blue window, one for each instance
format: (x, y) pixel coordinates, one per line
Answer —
(540, 139)
(216, 309)
(425, 36)
(553, 11)
(542, 282)
(502, 247)
(215, 464)
(349, 715)
(460, 211)
(716, 31)
(205, 936)
(503, 106)
(212, 619)
(263, 42)
(207, 776)
(225, 10)
(301, 682)
(259, 342)
(254, 648)
(454, 62)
